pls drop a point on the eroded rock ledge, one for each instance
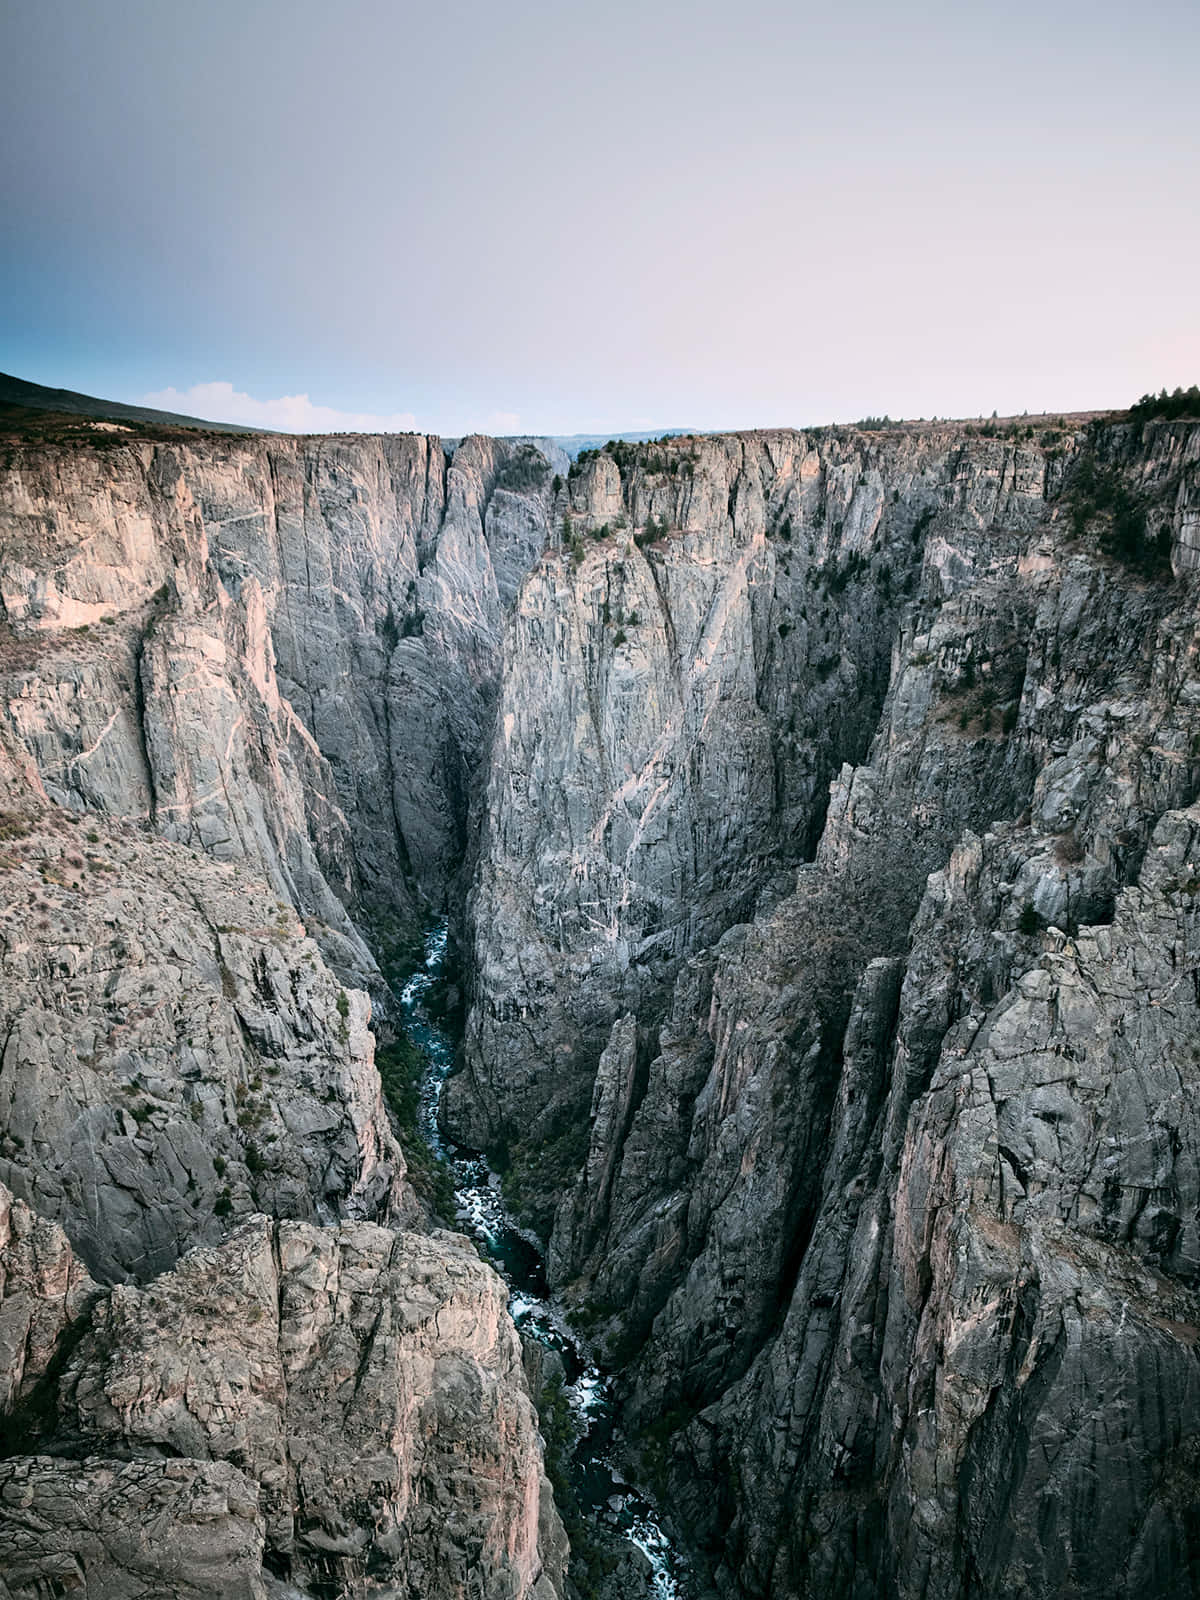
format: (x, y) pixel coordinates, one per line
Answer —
(344, 1408)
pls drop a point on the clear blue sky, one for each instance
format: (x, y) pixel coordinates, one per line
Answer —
(553, 218)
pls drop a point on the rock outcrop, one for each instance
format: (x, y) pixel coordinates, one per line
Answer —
(280, 651)
(129, 1530)
(44, 1290)
(176, 1052)
(344, 1409)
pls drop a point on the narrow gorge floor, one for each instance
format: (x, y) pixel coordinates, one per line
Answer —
(606, 1498)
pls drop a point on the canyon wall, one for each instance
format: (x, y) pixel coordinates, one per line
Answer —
(277, 651)
(244, 683)
(837, 876)
(824, 810)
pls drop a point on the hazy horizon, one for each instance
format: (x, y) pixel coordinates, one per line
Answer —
(548, 221)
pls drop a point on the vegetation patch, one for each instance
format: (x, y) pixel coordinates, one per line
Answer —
(535, 1172)
(654, 1447)
(400, 1068)
(987, 701)
(29, 426)
(836, 579)
(1029, 922)
(652, 532)
(1167, 407)
(594, 1558)
(1104, 505)
(526, 469)
(663, 457)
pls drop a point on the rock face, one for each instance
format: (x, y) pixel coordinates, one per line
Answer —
(830, 809)
(837, 878)
(244, 684)
(278, 651)
(43, 1291)
(124, 1530)
(175, 1050)
(673, 708)
(359, 1377)
(344, 1408)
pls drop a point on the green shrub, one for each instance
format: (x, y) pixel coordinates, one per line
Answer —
(592, 1558)
(921, 526)
(13, 825)
(1099, 497)
(526, 469)
(400, 1068)
(651, 532)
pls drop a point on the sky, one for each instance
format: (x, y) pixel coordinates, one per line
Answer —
(552, 218)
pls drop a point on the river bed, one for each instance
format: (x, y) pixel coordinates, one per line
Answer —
(605, 1495)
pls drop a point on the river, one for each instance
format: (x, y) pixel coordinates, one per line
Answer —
(605, 1495)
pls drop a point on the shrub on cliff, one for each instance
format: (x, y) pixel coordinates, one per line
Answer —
(527, 469)
(652, 531)
(1100, 499)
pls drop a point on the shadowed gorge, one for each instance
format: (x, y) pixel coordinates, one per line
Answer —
(815, 816)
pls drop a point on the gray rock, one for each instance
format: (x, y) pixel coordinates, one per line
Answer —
(831, 967)
(207, 635)
(128, 1530)
(43, 1290)
(175, 1051)
(894, 1192)
(371, 1385)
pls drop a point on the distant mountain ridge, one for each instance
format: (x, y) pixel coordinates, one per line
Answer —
(67, 402)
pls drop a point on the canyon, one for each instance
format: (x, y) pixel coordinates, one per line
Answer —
(816, 818)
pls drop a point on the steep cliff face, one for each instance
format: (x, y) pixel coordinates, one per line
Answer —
(829, 808)
(673, 708)
(175, 1050)
(279, 651)
(298, 1403)
(244, 683)
(259, 669)
(837, 867)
